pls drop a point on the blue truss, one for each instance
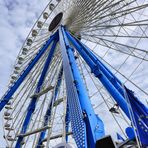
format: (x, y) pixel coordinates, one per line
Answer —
(116, 89)
(104, 76)
(21, 78)
(33, 102)
(87, 128)
(47, 116)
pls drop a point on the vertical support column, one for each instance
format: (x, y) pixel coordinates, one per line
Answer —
(33, 102)
(13, 88)
(47, 116)
(92, 125)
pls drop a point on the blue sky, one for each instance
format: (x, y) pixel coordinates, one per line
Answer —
(16, 19)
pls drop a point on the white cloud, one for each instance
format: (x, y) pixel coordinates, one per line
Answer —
(16, 19)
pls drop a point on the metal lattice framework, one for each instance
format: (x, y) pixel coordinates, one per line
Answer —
(73, 77)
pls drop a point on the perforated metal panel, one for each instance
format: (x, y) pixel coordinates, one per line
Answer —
(76, 116)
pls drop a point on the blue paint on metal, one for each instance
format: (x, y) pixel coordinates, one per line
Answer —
(94, 125)
(139, 116)
(113, 79)
(13, 88)
(130, 133)
(76, 116)
(100, 75)
(115, 88)
(107, 72)
(67, 121)
(119, 137)
(47, 116)
(33, 102)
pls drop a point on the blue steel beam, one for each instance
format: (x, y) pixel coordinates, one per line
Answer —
(14, 87)
(107, 72)
(140, 111)
(94, 127)
(95, 68)
(47, 116)
(113, 79)
(76, 115)
(33, 102)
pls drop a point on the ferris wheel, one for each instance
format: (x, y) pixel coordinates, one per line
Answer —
(80, 79)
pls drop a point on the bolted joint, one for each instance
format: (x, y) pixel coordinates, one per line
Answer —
(113, 80)
(96, 71)
(4, 100)
(70, 48)
(97, 127)
(70, 63)
(67, 46)
(84, 114)
(76, 57)
(75, 82)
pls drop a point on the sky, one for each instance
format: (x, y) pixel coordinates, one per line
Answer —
(16, 19)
